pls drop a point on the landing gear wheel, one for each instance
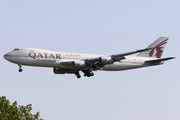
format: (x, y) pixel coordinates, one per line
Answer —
(20, 70)
(88, 73)
(78, 76)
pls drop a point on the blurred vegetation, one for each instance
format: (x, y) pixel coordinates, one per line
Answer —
(16, 112)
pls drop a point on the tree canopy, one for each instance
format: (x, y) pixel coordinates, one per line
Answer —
(16, 112)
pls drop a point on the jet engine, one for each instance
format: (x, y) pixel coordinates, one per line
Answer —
(80, 65)
(105, 60)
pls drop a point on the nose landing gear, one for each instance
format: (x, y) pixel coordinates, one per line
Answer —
(20, 70)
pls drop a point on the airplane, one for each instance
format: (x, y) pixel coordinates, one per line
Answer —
(73, 63)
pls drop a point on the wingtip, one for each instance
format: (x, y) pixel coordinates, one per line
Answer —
(173, 57)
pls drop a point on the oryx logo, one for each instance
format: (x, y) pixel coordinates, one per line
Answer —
(157, 51)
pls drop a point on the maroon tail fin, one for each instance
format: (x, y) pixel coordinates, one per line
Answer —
(157, 48)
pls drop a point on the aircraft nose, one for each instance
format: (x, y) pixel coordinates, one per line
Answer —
(6, 56)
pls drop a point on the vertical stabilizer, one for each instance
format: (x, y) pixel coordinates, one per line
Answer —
(157, 48)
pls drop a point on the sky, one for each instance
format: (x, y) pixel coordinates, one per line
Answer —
(94, 27)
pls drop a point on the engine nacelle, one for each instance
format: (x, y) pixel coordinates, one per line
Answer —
(63, 71)
(105, 60)
(80, 65)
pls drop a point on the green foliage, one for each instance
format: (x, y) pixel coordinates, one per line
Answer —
(16, 112)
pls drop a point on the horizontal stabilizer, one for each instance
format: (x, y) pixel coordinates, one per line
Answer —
(161, 59)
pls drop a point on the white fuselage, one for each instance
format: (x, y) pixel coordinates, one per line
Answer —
(45, 58)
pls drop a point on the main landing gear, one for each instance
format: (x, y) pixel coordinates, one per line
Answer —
(88, 73)
(20, 70)
(78, 75)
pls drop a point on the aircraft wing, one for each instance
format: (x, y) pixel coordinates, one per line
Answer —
(96, 64)
(99, 62)
(129, 53)
(117, 57)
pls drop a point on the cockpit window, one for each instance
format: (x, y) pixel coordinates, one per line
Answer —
(16, 49)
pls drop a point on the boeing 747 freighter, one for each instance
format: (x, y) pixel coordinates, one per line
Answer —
(73, 63)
